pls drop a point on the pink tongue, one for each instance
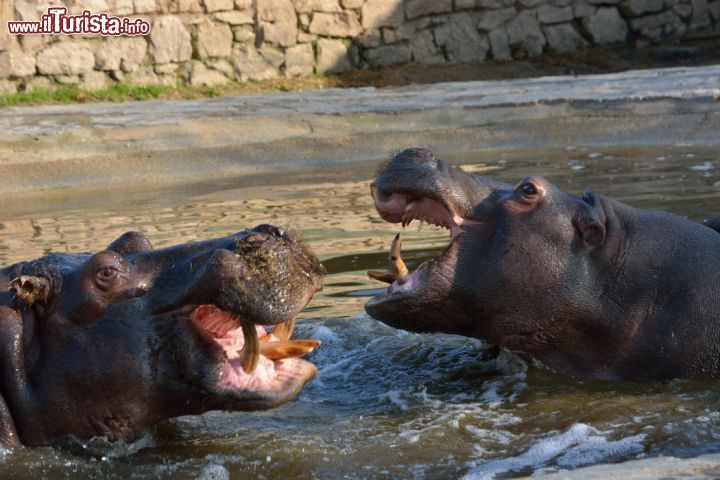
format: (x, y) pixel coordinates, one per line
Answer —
(222, 325)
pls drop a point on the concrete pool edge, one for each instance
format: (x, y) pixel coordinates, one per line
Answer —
(700, 467)
(76, 146)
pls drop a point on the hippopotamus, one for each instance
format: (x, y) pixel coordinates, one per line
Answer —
(588, 286)
(108, 344)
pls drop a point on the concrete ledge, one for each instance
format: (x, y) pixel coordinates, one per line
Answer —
(44, 148)
(702, 467)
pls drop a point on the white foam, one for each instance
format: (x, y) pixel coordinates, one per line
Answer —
(580, 445)
(703, 167)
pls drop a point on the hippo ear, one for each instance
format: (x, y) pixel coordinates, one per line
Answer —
(713, 222)
(590, 221)
(129, 243)
(31, 289)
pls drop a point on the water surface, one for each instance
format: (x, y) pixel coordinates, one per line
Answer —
(385, 403)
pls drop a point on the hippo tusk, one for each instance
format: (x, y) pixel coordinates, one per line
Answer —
(287, 348)
(406, 217)
(386, 277)
(251, 348)
(284, 331)
(397, 266)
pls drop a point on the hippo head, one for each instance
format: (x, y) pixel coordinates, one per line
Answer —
(524, 268)
(416, 185)
(110, 343)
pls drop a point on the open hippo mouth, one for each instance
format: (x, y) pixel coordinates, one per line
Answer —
(261, 277)
(403, 208)
(249, 359)
(415, 185)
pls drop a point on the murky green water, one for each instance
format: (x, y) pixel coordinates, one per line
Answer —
(387, 404)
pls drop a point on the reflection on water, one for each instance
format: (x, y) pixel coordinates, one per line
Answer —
(387, 403)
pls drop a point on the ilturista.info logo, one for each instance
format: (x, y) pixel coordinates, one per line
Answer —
(57, 22)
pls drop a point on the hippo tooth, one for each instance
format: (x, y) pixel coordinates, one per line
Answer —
(251, 348)
(284, 331)
(386, 277)
(405, 219)
(399, 270)
(287, 348)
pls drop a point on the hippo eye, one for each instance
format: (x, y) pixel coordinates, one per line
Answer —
(105, 277)
(107, 272)
(528, 189)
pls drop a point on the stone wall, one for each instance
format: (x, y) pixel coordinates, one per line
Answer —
(210, 42)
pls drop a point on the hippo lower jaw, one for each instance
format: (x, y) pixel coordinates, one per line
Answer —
(276, 374)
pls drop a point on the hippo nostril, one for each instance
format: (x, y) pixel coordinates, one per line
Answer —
(269, 229)
(255, 238)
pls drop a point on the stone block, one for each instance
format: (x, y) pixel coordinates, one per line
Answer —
(388, 55)
(16, 64)
(66, 58)
(464, 43)
(659, 26)
(213, 40)
(552, 14)
(278, 22)
(419, 8)
(606, 26)
(332, 56)
(201, 76)
(300, 60)
(272, 56)
(525, 34)
(714, 9)
(582, 9)
(500, 44)
(120, 7)
(491, 19)
(423, 47)
(382, 13)
(564, 38)
(218, 5)
(683, 10)
(700, 14)
(7, 87)
(93, 80)
(343, 24)
(368, 39)
(145, 6)
(638, 7)
(235, 17)
(502, 3)
(111, 52)
(311, 6)
(169, 40)
(244, 34)
(250, 65)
